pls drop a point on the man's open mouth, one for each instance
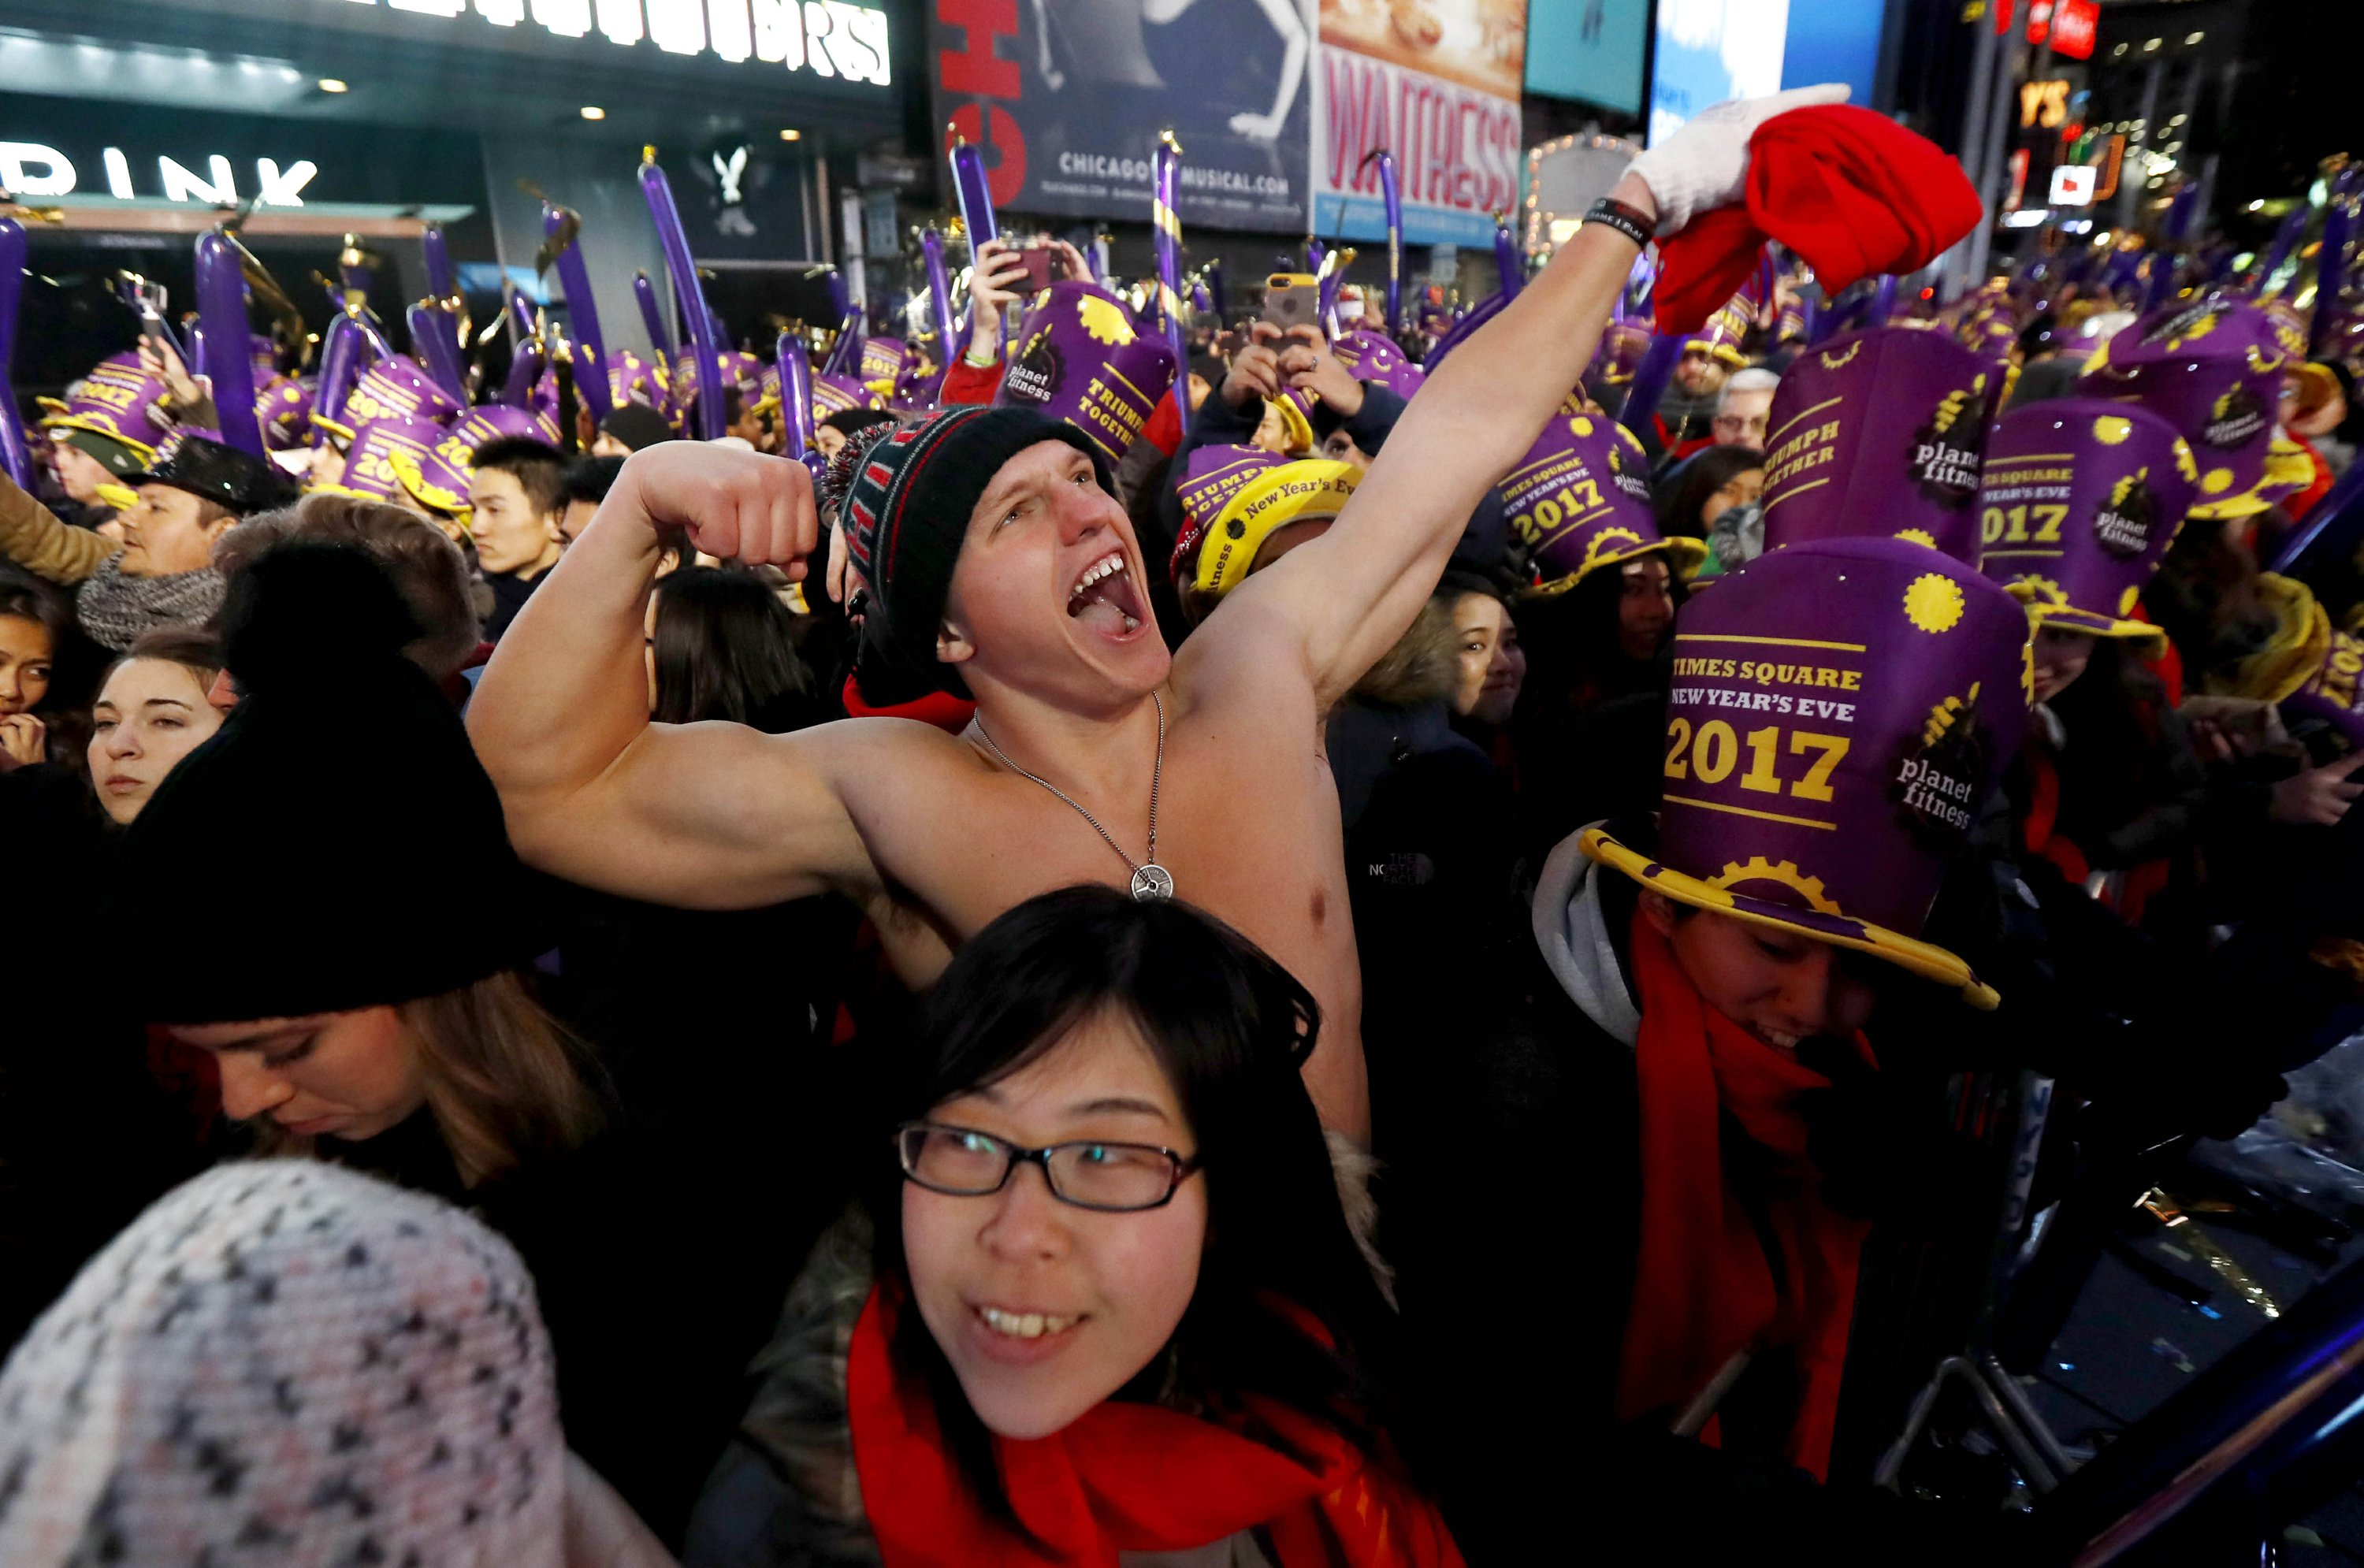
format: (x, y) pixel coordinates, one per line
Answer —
(1104, 598)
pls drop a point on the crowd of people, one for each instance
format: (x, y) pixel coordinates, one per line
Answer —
(1073, 958)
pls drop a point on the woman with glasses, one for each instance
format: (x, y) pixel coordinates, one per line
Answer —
(1105, 1299)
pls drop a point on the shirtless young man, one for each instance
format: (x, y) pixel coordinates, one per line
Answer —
(931, 834)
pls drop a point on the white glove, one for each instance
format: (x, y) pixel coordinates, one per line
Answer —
(1705, 165)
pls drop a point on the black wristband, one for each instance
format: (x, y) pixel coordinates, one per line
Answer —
(1630, 222)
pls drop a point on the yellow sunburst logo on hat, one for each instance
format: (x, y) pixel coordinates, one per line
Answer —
(1581, 425)
(2125, 487)
(1756, 868)
(2260, 361)
(2217, 481)
(1945, 714)
(1840, 361)
(1600, 542)
(2111, 429)
(1950, 410)
(1105, 320)
(2043, 589)
(2199, 328)
(1918, 536)
(1934, 602)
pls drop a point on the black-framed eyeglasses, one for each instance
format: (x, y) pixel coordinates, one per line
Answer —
(1114, 1178)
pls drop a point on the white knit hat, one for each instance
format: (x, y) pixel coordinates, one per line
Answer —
(283, 1361)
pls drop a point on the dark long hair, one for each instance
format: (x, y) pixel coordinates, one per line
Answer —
(76, 663)
(1229, 1027)
(1678, 496)
(1573, 657)
(726, 648)
(2117, 766)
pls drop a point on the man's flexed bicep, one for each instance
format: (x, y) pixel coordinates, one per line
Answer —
(561, 720)
(708, 817)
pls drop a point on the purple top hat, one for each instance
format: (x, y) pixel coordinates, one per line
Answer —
(1878, 434)
(632, 379)
(117, 400)
(283, 408)
(1839, 709)
(1725, 333)
(1991, 336)
(740, 368)
(2213, 367)
(2080, 500)
(2289, 326)
(437, 480)
(883, 359)
(263, 354)
(495, 421)
(1235, 498)
(1367, 356)
(395, 388)
(1580, 500)
(370, 470)
(1623, 346)
(1083, 357)
(835, 394)
(1212, 476)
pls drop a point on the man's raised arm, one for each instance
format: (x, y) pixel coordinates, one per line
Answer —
(1351, 594)
(711, 816)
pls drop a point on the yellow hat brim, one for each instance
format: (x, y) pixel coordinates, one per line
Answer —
(1684, 553)
(1923, 959)
(1312, 490)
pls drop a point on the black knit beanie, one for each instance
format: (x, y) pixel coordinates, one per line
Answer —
(904, 497)
(337, 840)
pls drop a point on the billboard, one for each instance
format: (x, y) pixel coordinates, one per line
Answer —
(1713, 50)
(1437, 82)
(1067, 98)
(1590, 49)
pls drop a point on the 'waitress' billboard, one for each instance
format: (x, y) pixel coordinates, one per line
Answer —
(1437, 82)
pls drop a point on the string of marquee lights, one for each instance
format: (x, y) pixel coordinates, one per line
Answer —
(830, 38)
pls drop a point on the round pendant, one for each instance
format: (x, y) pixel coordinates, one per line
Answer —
(1152, 883)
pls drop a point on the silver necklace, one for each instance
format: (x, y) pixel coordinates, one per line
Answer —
(1151, 881)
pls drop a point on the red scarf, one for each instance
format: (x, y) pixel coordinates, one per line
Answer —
(1702, 1288)
(1122, 1477)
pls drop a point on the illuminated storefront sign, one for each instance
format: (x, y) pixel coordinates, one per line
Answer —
(830, 38)
(78, 153)
(29, 169)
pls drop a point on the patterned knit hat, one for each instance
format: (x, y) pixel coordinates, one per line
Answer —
(904, 494)
(284, 1361)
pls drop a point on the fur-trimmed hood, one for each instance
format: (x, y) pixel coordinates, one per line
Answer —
(1424, 667)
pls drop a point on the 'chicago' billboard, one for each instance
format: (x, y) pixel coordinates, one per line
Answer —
(1069, 96)
(1436, 82)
